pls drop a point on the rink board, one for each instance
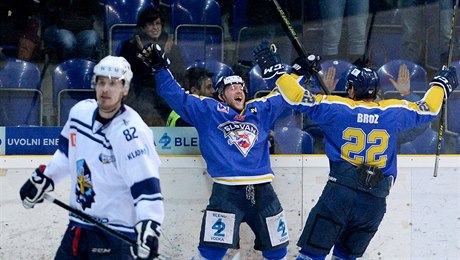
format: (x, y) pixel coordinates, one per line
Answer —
(422, 220)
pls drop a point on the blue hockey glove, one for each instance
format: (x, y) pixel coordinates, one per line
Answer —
(306, 66)
(154, 57)
(447, 79)
(148, 233)
(33, 191)
(269, 61)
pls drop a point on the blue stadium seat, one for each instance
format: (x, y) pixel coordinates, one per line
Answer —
(197, 30)
(217, 68)
(418, 75)
(21, 100)
(292, 140)
(453, 109)
(388, 17)
(71, 83)
(120, 20)
(385, 44)
(342, 68)
(239, 20)
(425, 143)
(257, 85)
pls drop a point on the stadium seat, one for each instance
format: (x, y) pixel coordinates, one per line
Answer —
(342, 69)
(120, 20)
(426, 143)
(292, 140)
(388, 17)
(197, 29)
(257, 85)
(239, 21)
(453, 108)
(71, 83)
(21, 100)
(385, 44)
(418, 75)
(217, 68)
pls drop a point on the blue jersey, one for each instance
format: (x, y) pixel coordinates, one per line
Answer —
(234, 145)
(362, 132)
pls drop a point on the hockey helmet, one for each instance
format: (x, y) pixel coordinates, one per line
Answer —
(364, 81)
(225, 81)
(112, 66)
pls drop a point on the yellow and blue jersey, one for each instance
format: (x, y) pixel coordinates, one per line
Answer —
(362, 132)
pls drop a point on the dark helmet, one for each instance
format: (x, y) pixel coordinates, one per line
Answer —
(365, 82)
(225, 81)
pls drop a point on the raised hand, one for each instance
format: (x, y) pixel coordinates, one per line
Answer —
(447, 79)
(154, 57)
(306, 66)
(269, 61)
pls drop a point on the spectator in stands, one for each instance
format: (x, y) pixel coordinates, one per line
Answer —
(70, 29)
(332, 14)
(19, 29)
(414, 29)
(143, 97)
(199, 83)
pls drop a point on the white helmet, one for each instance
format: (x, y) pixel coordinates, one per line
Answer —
(112, 66)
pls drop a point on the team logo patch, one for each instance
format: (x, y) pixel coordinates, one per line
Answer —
(223, 108)
(277, 229)
(84, 189)
(242, 135)
(240, 117)
(253, 110)
(219, 227)
(106, 158)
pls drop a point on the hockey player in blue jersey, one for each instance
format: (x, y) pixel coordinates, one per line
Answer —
(109, 154)
(360, 142)
(233, 135)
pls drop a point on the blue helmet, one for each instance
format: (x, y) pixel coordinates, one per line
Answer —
(365, 82)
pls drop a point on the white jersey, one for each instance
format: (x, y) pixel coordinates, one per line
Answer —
(114, 168)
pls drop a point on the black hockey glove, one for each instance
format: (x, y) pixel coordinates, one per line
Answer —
(446, 78)
(33, 191)
(148, 233)
(269, 61)
(306, 66)
(154, 57)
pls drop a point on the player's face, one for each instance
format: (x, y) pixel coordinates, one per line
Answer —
(234, 96)
(109, 94)
(153, 29)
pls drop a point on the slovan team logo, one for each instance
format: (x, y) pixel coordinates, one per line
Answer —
(242, 135)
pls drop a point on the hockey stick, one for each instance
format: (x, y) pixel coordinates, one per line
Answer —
(443, 106)
(296, 43)
(91, 220)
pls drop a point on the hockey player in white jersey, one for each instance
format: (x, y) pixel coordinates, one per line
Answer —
(109, 154)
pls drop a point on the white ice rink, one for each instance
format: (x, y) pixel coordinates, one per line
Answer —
(422, 220)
